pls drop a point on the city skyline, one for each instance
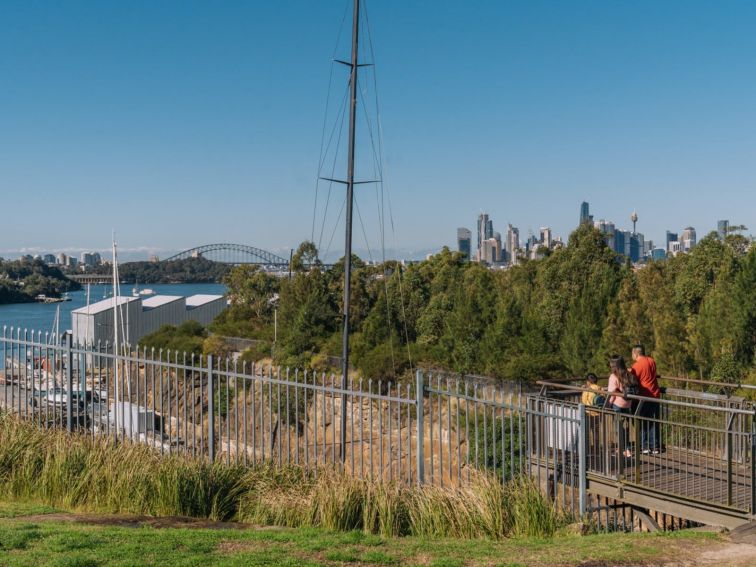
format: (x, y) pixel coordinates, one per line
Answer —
(147, 253)
(180, 124)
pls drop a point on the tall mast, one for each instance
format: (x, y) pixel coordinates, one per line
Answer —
(349, 198)
(115, 323)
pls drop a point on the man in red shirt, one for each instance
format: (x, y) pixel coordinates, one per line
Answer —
(644, 369)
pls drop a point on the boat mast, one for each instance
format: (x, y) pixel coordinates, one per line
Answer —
(349, 199)
(115, 322)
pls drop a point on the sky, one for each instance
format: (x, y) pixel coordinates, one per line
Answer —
(181, 123)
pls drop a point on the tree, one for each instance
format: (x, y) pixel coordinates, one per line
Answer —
(305, 257)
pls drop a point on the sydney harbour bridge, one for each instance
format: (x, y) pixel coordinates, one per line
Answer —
(236, 254)
(224, 253)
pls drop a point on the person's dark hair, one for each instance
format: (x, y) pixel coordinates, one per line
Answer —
(640, 349)
(592, 378)
(619, 368)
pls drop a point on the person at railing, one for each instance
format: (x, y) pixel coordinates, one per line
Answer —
(644, 368)
(621, 381)
(592, 397)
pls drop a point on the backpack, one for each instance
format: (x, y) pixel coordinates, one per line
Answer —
(598, 401)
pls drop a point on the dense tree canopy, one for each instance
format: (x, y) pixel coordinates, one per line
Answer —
(562, 315)
(22, 280)
(190, 270)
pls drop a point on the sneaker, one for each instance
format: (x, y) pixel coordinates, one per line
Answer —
(647, 451)
(656, 451)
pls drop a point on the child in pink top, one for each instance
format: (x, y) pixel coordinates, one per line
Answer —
(617, 402)
(617, 381)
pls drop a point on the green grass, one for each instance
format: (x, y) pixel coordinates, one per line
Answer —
(328, 519)
(55, 543)
(77, 472)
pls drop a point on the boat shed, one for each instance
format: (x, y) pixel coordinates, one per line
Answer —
(139, 316)
(94, 324)
(204, 308)
(160, 310)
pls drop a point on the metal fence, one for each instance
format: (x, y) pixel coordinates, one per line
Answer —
(436, 430)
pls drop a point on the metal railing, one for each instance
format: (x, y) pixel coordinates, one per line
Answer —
(436, 430)
(697, 448)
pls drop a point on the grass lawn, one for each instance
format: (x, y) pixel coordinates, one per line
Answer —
(36, 541)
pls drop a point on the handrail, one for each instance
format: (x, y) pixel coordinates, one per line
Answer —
(710, 383)
(647, 399)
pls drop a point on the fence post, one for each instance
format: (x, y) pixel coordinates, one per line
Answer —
(69, 382)
(730, 421)
(753, 463)
(210, 409)
(582, 456)
(420, 451)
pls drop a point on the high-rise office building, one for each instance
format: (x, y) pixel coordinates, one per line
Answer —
(658, 254)
(585, 213)
(48, 259)
(513, 243)
(489, 251)
(722, 228)
(640, 246)
(634, 248)
(62, 259)
(607, 228)
(546, 236)
(483, 223)
(622, 242)
(688, 239)
(671, 237)
(464, 242)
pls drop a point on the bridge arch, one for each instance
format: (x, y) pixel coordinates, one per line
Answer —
(228, 253)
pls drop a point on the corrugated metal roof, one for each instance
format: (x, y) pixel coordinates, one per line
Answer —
(201, 299)
(104, 305)
(159, 300)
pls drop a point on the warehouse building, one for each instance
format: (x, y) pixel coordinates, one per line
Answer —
(139, 317)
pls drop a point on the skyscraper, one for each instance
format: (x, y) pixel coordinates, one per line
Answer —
(483, 223)
(546, 236)
(464, 242)
(671, 237)
(513, 243)
(722, 227)
(607, 228)
(688, 238)
(489, 251)
(585, 214)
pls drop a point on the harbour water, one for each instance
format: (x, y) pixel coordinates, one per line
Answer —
(40, 317)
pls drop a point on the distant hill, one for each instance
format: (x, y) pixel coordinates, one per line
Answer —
(23, 280)
(191, 270)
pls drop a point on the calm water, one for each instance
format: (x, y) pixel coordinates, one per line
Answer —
(41, 317)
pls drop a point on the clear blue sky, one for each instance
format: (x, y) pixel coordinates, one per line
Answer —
(181, 123)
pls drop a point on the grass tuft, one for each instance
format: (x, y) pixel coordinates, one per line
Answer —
(78, 472)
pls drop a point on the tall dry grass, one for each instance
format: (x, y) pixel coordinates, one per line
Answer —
(96, 475)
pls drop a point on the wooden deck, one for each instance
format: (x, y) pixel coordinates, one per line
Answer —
(678, 482)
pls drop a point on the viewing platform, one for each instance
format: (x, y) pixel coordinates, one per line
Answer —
(703, 470)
